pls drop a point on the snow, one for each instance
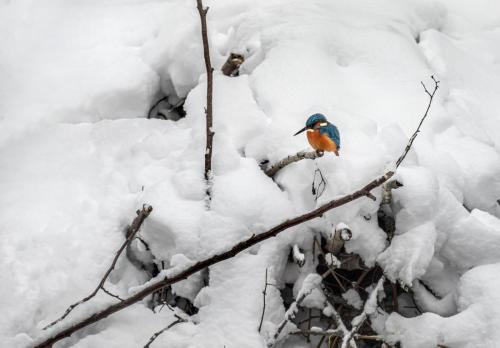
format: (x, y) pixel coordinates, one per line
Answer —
(352, 298)
(78, 157)
(409, 254)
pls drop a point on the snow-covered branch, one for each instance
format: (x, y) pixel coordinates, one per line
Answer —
(291, 159)
(369, 308)
(311, 282)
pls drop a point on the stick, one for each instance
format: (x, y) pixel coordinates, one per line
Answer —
(132, 231)
(236, 249)
(158, 333)
(208, 111)
(264, 305)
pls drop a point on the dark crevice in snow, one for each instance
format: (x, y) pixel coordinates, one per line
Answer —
(287, 295)
(165, 297)
(429, 289)
(167, 108)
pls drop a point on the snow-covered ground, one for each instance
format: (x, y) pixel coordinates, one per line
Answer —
(78, 157)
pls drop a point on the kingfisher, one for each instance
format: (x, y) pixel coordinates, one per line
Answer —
(321, 134)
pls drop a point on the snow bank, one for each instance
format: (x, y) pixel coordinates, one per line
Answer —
(76, 160)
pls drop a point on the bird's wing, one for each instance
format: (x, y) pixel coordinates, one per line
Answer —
(332, 132)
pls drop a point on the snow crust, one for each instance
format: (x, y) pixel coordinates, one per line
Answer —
(77, 158)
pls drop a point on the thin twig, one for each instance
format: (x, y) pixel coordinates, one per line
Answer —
(337, 333)
(111, 294)
(158, 333)
(131, 232)
(264, 303)
(431, 97)
(291, 159)
(214, 259)
(320, 189)
(331, 267)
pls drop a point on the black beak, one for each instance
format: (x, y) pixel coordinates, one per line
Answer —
(300, 131)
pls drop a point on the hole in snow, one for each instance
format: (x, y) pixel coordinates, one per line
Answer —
(167, 108)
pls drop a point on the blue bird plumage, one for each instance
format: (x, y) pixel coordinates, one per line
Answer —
(332, 132)
(321, 134)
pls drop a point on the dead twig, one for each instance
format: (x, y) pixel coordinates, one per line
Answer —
(410, 143)
(316, 332)
(317, 191)
(209, 261)
(291, 159)
(208, 110)
(264, 303)
(158, 333)
(131, 232)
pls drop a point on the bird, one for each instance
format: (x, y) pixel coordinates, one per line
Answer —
(321, 134)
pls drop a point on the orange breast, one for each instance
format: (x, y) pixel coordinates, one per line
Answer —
(321, 141)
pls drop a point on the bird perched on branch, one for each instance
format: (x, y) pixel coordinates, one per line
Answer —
(321, 134)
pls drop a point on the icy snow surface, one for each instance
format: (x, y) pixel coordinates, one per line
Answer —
(77, 158)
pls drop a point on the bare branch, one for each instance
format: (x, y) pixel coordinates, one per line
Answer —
(158, 333)
(328, 333)
(264, 304)
(291, 159)
(111, 294)
(209, 261)
(131, 232)
(410, 143)
(208, 111)
(337, 333)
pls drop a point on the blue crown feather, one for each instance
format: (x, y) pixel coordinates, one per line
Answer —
(313, 119)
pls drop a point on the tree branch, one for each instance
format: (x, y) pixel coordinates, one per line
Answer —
(158, 333)
(208, 111)
(291, 159)
(131, 232)
(410, 143)
(236, 249)
(305, 291)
